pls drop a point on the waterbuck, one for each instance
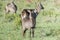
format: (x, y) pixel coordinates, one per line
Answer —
(11, 7)
(28, 17)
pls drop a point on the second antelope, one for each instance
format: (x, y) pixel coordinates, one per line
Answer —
(11, 7)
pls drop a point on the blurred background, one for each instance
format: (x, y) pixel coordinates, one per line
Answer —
(47, 22)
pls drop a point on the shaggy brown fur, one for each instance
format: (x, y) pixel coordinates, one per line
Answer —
(11, 7)
(28, 17)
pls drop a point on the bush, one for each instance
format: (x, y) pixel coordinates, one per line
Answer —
(9, 17)
(13, 18)
(17, 20)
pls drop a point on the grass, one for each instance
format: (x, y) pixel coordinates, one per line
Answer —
(47, 22)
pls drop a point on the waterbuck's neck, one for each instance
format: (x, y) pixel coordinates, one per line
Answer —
(37, 9)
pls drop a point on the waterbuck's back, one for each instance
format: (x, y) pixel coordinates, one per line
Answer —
(28, 18)
(11, 7)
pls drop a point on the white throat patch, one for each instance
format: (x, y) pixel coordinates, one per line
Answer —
(35, 11)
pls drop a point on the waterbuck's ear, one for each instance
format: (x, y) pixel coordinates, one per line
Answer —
(41, 6)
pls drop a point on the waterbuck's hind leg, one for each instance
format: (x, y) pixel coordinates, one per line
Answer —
(30, 35)
(7, 11)
(24, 31)
(32, 32)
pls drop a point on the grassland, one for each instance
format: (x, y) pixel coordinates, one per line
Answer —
(47, 22)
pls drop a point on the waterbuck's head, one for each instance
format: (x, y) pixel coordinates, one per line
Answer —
(39, 7)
